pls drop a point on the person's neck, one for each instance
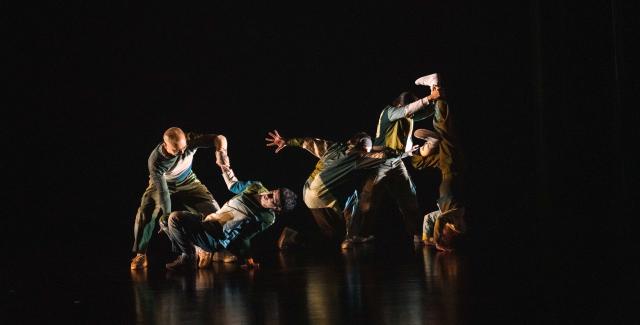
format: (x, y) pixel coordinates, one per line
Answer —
(258, 199)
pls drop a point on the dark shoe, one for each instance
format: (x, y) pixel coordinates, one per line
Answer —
(184, 262)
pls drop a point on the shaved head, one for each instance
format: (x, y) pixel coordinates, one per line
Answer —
(175, 141)
(173, 134)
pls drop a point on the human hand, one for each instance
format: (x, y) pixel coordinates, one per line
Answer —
(222, 159)
(276, 140)
(435, 93)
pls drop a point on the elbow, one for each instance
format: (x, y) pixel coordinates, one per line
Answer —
(220, 142)
(232, 187)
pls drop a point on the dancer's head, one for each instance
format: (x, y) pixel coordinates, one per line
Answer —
(174, 141)
(360, 141)
(404, 98)
(279, 200)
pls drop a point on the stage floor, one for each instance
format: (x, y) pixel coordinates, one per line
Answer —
(374, 284)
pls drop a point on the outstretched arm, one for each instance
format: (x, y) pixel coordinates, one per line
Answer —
(417, 109)
(315, 146)
(217, 141)
(233, 184)
(196, 140)
(276, 140)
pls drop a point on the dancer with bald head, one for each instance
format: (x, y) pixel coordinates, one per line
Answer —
(172, 179)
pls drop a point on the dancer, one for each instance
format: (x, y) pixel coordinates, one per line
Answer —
(444, 226)
(171, 178)
(394, 130)
(331, 191)
(252, 210)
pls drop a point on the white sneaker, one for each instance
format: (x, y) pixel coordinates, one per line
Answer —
(428, 80)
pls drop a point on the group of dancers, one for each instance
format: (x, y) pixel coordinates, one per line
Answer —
(340, 192)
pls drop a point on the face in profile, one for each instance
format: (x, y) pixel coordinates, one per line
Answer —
(175, 148)
(271, 200)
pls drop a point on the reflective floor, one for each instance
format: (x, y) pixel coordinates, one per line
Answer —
(372, 284)
(351, 288)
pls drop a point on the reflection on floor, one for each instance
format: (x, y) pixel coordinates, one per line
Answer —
(367, 284)
(355, 286)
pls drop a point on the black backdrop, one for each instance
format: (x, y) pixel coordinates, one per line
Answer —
(542, 94)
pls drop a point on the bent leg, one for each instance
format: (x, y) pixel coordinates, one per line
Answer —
(196, 198)
(330, 222)
(369, 202)
(187, 230)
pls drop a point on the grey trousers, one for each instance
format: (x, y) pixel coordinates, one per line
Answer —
(190, 193)
(186, 229)
(393, 179)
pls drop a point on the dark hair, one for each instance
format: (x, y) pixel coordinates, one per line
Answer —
(288, 199)
(360, 138)
(404, 98)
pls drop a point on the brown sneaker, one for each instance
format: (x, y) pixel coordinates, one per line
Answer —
(139, 262)
(229, 258)
(204, 258)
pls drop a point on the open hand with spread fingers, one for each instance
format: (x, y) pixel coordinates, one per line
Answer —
(276, 140)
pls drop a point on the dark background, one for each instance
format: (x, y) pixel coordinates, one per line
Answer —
(542, 94)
